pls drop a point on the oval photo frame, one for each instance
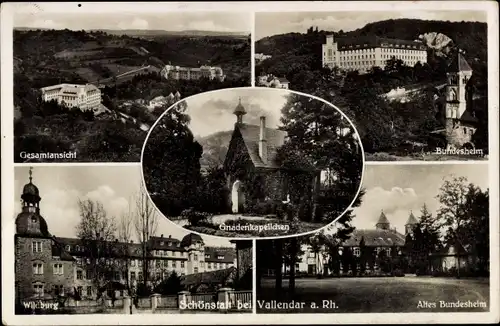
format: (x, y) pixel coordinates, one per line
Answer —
(252, 162)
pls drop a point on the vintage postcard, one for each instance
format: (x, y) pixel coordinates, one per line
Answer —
(250, 163)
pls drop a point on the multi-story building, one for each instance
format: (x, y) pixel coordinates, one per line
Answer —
(361, 54)
(84, 97)
(164, 100)
(47, 266)
(273, 81)
(382, 237)
(185, 73)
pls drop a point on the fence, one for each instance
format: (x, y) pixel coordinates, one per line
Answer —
(224, 300)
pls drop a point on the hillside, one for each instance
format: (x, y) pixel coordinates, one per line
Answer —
(383, 124)
(214, 148)
(296, 50)
(89, 56)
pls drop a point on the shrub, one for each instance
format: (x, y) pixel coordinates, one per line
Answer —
(399, 272)
(194, 218)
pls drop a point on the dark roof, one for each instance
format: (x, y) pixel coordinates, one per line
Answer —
(23, 221)
(213, 253)
(468, 117)
(375, 238)
(411, 219)
(383, 219)
(459, 64)
(59, 250)
(375, 41)
(239, 109)
(222, 276)
(274, 139)
(30, 189)
(189, 239)
(283, 80)
(169, 243)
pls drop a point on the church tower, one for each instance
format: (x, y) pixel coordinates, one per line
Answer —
(458, 75)
(410, 224)
(383, 223)
(239, 112)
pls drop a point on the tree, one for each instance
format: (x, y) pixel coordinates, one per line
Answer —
(125, 225)
(326, 141)
(465, 214)
(146, 224)
(171, 163)
(96, 232)
(171, 285)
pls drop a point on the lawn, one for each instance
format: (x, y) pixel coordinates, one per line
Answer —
(377, 295)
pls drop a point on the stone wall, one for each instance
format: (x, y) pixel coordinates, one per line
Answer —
(24, 273)
(458, 134)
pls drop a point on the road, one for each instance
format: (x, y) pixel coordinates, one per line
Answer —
(382, 294)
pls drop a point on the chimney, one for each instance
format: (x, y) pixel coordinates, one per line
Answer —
(262, 140)
(170, 236)
(161, 236)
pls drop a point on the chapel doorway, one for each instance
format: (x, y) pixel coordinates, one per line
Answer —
(237, 197)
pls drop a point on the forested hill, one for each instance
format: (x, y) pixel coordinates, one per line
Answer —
(469, 36)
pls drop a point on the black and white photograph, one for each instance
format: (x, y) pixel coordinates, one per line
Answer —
(89, 241)
(414, 83)
(253, 162)
(418, 242)
(88, 86)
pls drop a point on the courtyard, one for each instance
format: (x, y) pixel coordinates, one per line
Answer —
(381, 294)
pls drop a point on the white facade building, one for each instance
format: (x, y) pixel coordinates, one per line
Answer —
(84, 97)
(361, 54)
(185, 73)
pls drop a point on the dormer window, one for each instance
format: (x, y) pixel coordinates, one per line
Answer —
(207, 256)
(33, 218)
(220, 257)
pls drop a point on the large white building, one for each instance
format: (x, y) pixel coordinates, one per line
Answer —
(185, 73)
(84, 97)
(363, 53)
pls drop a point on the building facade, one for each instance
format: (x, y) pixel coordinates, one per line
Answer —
(161, 101)
(273, 81)
(382, 238)
(84, 97)
(185, 73)
(47, 266)
(460, 123)
(361, 54)
(251, 166)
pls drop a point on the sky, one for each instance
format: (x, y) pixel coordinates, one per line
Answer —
(399, 189)
(173, 21)
(115, 186)
(213, 112)
(267, 24)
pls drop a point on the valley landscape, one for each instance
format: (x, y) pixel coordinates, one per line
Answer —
(126, 66)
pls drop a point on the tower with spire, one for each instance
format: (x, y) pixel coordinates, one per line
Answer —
(383, 223)
(410, 224)
(239, 112)
(460, 123)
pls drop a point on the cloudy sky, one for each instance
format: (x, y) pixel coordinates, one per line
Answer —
(399, 189)
(115, 186)
(267, 24)
(170, 21)
(213, 112)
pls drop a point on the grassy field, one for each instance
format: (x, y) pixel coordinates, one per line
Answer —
(377, 295)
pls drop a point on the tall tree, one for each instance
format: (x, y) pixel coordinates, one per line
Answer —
(171, 162)
(146, 224)
(96, 232)
(125, 225)
(465, 214)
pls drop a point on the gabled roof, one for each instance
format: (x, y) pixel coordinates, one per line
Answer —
(375, 238)
(58, 250)
(383, 219)
(274, 139)
(411, 219)
(459, 64)
(283, 80)
(468, 117)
